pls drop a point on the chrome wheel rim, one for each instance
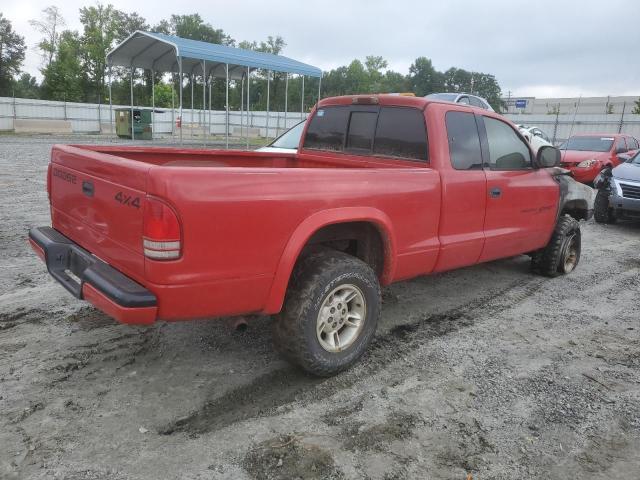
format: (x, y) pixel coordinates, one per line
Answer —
(341, 318)
(571, 255)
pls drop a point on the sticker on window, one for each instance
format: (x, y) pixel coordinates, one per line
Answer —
(320, 113)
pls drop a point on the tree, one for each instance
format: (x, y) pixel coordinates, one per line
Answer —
(101, 26)
(424, 78)
(64, 78)
(49, 26)
(26, 86)
(12, 48)
(127, 23)
(163, 95)
(193, 27)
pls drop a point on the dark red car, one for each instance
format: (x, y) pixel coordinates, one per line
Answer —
(585, 155)
(382, 188)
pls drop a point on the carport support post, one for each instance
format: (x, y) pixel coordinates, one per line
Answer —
(180, 70)
(268, 85)
(153, 104)
(131, 84)
(111, 105)
(209, 119)
(241, 106)
(319, 85)
(204, 97)
(191, 115)
(286, 98)
(226, 108)
(248, 104)
(302, 101)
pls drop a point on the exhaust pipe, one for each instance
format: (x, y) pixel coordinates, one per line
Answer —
(239, 324)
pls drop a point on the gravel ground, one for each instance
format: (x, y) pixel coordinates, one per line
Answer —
(488, 371)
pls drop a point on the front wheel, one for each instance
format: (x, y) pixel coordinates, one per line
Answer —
(602, 212)
(330, 313)
(562, 253)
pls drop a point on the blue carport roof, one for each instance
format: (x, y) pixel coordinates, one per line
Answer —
(162, 52)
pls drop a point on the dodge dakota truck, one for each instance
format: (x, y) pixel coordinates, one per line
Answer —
(382, 188)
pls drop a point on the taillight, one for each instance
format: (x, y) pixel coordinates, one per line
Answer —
(161, 238)
(49, 182)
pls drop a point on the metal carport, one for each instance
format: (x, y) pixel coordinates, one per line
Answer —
(166, 53)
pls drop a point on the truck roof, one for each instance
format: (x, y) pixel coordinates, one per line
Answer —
(378, 99)
(387, 99)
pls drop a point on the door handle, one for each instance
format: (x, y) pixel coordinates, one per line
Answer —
(495, 192)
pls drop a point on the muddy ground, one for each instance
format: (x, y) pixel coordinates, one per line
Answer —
(488, 371)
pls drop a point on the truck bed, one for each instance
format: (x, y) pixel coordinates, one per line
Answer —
(179, 157)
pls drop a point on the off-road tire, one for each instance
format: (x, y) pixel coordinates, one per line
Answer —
(313, 279)
(602, 212)
(551, 260)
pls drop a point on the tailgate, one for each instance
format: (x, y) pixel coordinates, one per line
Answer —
(97, 201)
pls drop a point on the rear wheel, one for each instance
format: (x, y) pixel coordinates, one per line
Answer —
(562, 253)
(602, 212)
(330, 313)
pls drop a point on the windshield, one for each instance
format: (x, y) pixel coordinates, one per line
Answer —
(588, 144)
(449, 97)
(290, 138)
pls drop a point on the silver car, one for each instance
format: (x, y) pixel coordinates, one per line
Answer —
(464, 98)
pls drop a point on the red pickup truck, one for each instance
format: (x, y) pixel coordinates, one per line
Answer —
(382, 188)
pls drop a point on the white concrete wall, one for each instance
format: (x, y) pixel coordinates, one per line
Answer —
(583, 124)
(88, 117)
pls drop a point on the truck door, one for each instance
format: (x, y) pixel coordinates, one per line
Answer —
(521, 201)
(463, 193)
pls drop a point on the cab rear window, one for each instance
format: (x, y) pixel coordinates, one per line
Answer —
(398, 132)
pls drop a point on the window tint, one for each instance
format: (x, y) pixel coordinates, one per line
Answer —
(506, 150)
(476, 102)
(620, 145)
(361, 128)
(464, 142)
(401, 132)
(327, 128)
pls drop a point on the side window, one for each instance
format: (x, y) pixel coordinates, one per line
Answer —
(506, 150)
(634, 143)
(476, 102)
(463, 100)
(620, 145)
(464, 142)
(327, 128)
(401, 132)
(361, 128)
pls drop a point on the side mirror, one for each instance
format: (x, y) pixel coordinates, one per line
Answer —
(548, 157)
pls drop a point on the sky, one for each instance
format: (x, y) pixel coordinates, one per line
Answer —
(561, 48)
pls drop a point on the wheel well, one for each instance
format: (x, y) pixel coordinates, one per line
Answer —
(363, 240)
(578, 209)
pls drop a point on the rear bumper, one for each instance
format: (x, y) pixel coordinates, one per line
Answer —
(89, 278)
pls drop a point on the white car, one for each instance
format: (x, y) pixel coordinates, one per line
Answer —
(287, 142)
(464, 98)
(536, 137)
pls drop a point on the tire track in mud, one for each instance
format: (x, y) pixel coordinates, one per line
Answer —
(271, 393)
